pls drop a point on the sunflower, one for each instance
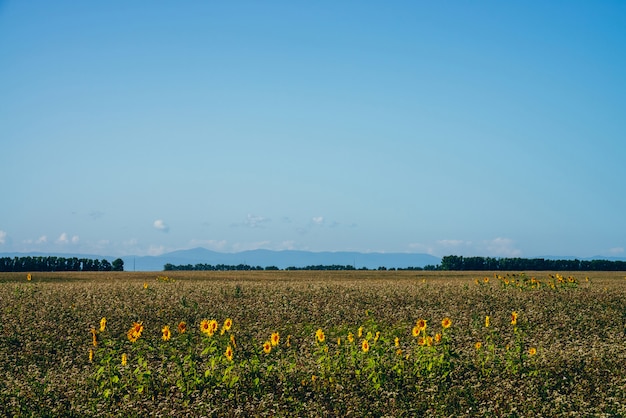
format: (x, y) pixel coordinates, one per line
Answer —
(421, 326)
(274, 339)
(487, 321)
(29, 277)
(182, 327)
(166, 333)
(415, 331)
(377, 336)
(437, 338)
(228, 323)
(103, 324)
(229, 353)
(124, 359)
(90, 354)
(232, 340)
(421, 341)
(320, 335)
(365, 346)
(513, 318)
(288, 343)
(532, 351)
(204, 326)
(350, 338)
(446, 322)
(134, 333)
(213, 326)
(429, 340)
(94, 340)
(396, 342)
(478, 345)
(267, 347)
(360, 332)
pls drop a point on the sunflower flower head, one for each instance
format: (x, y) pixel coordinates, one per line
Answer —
(267, 347)
(532, 351)
(182, 327)
(478, 345)
(446, 323)
(103, 324)
(228, 323)
(275, 339)
(124, 359)
(166, 333)
(90, 355)
(396, 342)
(487, 321)
(360, 332)
(232, 340)
(513, 318)
(319, 334)
(205, 328)
(365, 346)
(229, 353)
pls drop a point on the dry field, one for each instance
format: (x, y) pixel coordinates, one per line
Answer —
(313, 343)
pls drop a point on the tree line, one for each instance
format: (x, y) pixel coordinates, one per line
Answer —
(449, 262)
(50, 263)
(245, 267)
(456, 262)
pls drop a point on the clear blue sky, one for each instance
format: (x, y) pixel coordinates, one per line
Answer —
(488, 128)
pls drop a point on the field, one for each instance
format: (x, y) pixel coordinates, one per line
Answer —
(313, 343)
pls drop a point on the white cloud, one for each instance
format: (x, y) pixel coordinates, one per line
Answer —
(318, 220)
(41, 240)
(254, 221)
(160, 225)
(75, 239)
(616, 250)
(211, 244)
(63, 239)
(3, 237)
(502, 247)
(154, 250)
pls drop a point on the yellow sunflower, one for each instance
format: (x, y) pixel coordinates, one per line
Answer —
(228, 323)
(532, 351)
(320, 335)
(365, 346)
(229, 353)
(267, 347)
(446, 322)
(103, 324)
(124, 359)
(166, 333)
(205, 327)
(513, 318)
(274, 339)
(182, 327)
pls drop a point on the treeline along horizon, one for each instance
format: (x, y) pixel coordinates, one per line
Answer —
(51, 263)
(460, 263)
(450, 262)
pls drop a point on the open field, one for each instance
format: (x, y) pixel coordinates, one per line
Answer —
(313, 343)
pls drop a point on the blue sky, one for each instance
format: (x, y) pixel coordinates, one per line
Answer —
(472, 128)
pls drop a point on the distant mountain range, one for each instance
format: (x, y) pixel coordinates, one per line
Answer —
(262, 258)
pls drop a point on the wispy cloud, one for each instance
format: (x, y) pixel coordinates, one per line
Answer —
(3, 237)
(318, 220)
(616, 250)
(64, 238)
(161, 225)
(211, 244)
(253, 221)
